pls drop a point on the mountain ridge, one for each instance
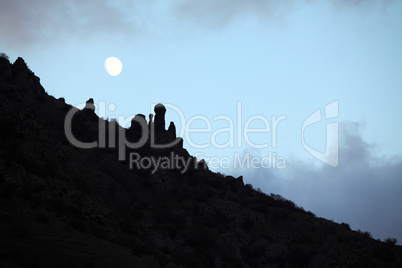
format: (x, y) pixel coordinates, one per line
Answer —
(64, 206)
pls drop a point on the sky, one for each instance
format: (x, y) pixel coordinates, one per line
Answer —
(302, 98)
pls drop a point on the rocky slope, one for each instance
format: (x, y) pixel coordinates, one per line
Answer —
(63, 206)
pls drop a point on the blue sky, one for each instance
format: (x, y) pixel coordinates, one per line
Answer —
(277, 58)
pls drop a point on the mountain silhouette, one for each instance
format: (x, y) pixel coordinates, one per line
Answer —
(62, 205)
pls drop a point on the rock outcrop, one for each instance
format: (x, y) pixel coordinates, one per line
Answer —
(160, 111)
(66, 206)
(171, 132)
(90, 106)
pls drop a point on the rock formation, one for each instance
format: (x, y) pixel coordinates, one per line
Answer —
(138, 128)
(89, 105)
(159, 124)
(65, 206)
(171, 132)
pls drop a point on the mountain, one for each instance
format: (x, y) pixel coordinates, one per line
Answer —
(62, 205)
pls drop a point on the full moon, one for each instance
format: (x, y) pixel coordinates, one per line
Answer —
(113, 66)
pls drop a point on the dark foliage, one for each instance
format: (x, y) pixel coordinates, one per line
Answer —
(391, 240)
(4, 56)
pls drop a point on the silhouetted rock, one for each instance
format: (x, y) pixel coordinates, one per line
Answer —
(202, 165)
(66, 206)
(20, 65)
(138, 121)
(21, 71)
(5, 69)
(171, 132)
(89, 105)
(151, 117)
(25, 77)
(138, 128)
(160, 111)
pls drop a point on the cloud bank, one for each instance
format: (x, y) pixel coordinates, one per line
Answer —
(43, 22)
(212, 13)
(364, 190)
(26, 23)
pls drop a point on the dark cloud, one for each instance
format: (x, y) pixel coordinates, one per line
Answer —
(364, 190)
(42, 22)
(219, 13)
(24, 23)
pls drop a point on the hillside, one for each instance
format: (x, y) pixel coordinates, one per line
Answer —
(65, 206)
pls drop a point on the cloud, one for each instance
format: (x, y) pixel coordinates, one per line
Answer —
(364, 190)
(26, 23)
(43, 22)
(361, 3)
(219, 13)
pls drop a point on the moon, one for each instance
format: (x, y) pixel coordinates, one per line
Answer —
(113, 66)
